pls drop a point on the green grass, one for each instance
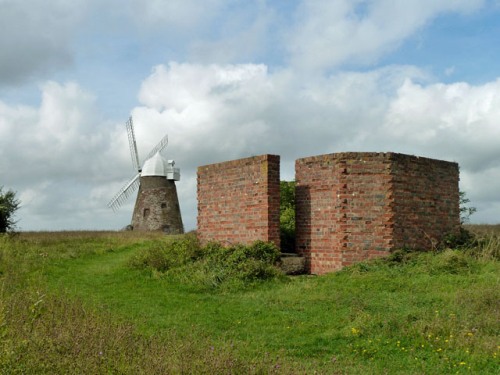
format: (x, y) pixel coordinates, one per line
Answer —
(69, 298)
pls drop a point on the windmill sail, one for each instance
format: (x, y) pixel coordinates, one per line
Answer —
(124, 192)
(133, 145)
(159, 147)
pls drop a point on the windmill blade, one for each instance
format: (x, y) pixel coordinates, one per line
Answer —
(124, 193)
(159, 147)
(133, 145)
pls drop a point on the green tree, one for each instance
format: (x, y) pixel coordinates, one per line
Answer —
(8, 206)
(287, 216)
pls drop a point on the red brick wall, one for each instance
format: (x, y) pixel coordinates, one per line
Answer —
(238, 200)
(349, 206)
(343, 212)
(426, 200)
(355, 206)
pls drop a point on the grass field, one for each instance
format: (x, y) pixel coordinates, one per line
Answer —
(70, 302)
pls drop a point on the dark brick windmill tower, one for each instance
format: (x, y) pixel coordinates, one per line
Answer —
(157, 205)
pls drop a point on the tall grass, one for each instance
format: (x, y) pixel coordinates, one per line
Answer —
(49, 334)
(487, 241)
(71, 303)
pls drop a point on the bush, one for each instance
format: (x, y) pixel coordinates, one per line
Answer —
(212, 266)
(240, 265)
(464, 239)
(162, 256)
(8, 206)
(231, 268)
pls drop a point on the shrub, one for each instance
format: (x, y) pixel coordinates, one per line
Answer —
(162, 256)
(211, 266)
(464, 239)
(231, 268)
(241, 264)
(8, 206)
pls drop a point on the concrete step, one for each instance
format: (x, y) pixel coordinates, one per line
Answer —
(292, 264)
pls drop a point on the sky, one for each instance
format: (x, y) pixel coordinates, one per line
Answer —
(228, 79)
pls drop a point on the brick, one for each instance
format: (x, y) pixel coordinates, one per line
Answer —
(349, 206)
(238, 200)
(383, 201)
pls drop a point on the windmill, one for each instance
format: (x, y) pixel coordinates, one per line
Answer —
(157, 205)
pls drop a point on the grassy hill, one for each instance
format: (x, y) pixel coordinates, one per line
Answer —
(77, 302)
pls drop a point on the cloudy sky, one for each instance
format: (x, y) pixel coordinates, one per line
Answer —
(235, 78)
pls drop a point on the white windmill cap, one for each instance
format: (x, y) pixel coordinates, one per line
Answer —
(155, 166)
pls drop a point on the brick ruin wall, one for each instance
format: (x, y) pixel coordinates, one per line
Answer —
(355, 206)
(349, 206)
(238, 201)
(342, 209)
(426, 200)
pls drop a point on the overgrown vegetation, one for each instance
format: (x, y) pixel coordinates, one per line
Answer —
(9, 204)
(71, 303)
(287, 216)
(212, 266)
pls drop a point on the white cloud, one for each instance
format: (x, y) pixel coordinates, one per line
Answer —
(457, 120)
(55, 154)
(197, 104)
(216, 113)
(66, 124)
(330, 34)
(67, 162)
